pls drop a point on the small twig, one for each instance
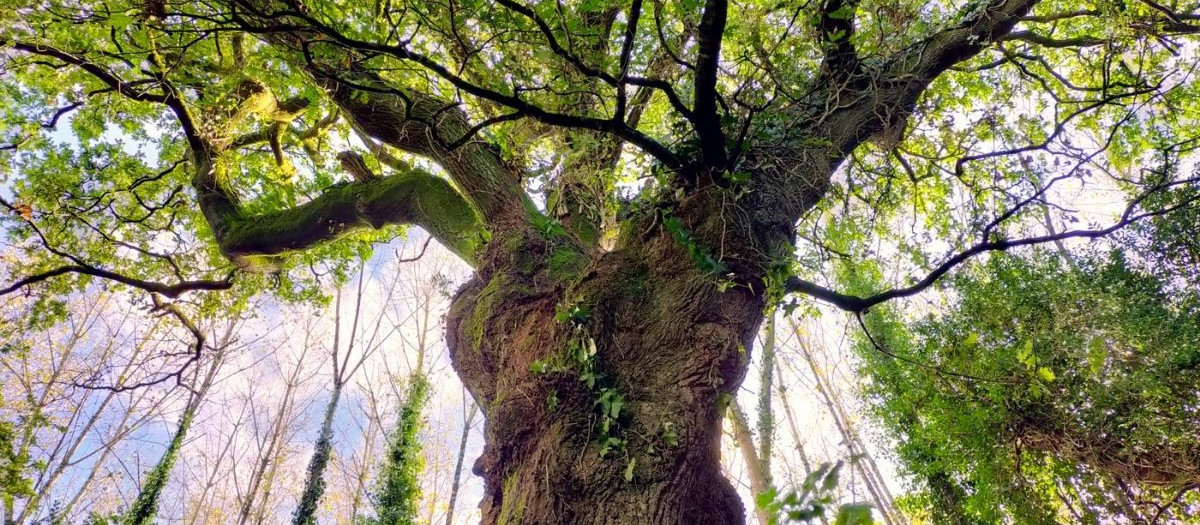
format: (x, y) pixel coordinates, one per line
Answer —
(418, 256)
(193, 355)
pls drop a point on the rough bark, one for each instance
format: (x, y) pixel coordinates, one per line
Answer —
(668, 340)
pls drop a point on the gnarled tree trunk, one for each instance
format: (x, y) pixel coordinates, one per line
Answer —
(671, 344)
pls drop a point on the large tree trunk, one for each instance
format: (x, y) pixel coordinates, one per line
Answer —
(670, 343)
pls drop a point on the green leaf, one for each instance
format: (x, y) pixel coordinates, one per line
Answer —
(1025, 354)
(854, 514)
(614, 407)
(1045, 374)
(845, 12)
(764, 499)
(1097, 355)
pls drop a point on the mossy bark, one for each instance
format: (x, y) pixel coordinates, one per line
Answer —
(410, 198)
(668, 340)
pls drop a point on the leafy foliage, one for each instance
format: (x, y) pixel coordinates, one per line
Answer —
(812, 500)
(1049, 391)
(14, 465)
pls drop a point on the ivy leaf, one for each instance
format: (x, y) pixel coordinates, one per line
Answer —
(1097, 355)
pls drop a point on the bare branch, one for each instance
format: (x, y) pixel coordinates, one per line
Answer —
(855, 303)
(171, 290)
(177, 374)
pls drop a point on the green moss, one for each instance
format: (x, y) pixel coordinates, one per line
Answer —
(260, 263)
(565, 263)
(414, 198)
(512, 507)
(483, 310)
(514, 246)
(439, 209)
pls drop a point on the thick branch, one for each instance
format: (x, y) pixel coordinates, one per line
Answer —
(708, 59)
(894, 89)
(978, 29)
(413, 198)
(427, 126)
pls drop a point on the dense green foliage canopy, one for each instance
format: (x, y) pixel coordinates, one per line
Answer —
(1047, 392)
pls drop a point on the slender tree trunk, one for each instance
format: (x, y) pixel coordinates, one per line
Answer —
(758, 479)
(766, 415)
(458, 466)
(795, 430)
(204, 505)
(67, 446)
(363, 465)
(145, 507)
(260, 478)
(859, 456)
(314, 482)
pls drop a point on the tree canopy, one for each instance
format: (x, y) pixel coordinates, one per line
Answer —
(979, 113)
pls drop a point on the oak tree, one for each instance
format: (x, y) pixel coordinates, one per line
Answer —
(633, 182)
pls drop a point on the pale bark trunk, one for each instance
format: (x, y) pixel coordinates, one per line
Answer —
(458, 466)
(269, 456)
(759, 484)
(766, 415)
(204, 505)
(795, 431)
(860, 458)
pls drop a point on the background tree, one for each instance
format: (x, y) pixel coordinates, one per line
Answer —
(604, 330)
(1050, 394)
(344, 368)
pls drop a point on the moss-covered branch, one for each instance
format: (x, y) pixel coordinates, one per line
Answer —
(425, 125)
(416, 198)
